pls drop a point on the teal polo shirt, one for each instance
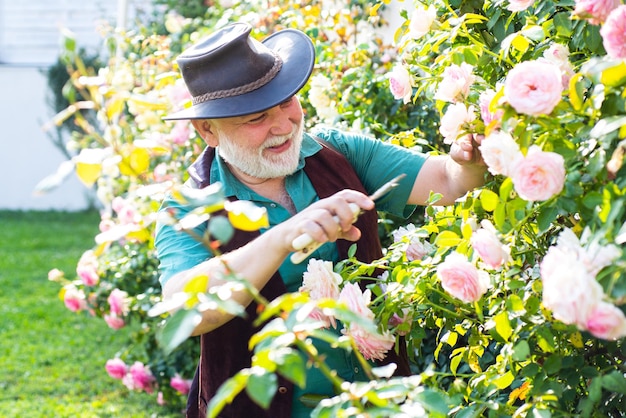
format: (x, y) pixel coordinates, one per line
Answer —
(374, 161)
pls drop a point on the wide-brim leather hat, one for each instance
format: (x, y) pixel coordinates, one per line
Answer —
(229, 73)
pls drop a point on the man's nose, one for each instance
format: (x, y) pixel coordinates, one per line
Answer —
(281, 122)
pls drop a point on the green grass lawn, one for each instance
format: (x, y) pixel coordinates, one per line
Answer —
(51, 359)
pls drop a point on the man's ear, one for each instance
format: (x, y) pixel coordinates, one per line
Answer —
(206, 130)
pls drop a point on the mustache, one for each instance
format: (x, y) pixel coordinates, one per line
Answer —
(280, 139)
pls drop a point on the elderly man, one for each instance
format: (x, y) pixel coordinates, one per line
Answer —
(246, 109)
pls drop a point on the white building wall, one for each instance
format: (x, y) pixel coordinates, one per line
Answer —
(30, 35)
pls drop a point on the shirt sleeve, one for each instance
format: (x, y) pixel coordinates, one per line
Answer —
(177, 250)
(377, 162)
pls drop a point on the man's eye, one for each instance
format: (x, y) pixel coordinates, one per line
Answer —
(287, 102)
(257, 118)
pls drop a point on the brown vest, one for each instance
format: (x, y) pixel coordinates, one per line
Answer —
(224, 351)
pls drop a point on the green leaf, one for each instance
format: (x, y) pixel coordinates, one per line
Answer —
(262, 386)
(434, 402)
(291, 365)
(521, 351)
(614, 382)
(178, 328)
(546, 217)
(220, 228)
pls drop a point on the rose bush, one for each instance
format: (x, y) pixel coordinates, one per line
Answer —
(510, 302)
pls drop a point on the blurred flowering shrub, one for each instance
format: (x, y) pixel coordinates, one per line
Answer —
(510, 302)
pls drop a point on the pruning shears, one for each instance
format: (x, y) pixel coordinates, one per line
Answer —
(305, 245)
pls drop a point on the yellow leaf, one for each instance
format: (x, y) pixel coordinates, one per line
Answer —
(576, 339)
(489, 200)
(114, 107)
(503, 327)
(246, 216)
(135, 161)
(614, 76)
(504, 381)
(141, 235)
(88, 173)
(447, 239)
(197, 284)
(574, 94)
(520, 43)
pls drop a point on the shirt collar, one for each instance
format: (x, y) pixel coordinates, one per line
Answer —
(233, 187)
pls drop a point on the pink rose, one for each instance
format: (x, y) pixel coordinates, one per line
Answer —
(462, 279)
(373, 346)
(561, 268)
(558, 55)
(114, 321)
(489, 248)
(116, 368)
(486, 113)
(74, 298)
(595, 11)
(356, 300)
(539, 175)
(519, 5)
(455, 121)
(417, 248)
(180, 133)
(456, 83)
(55, 275)
(139, 378)
(614, 33)
(500, 152)
(400, 83)
(179, 384)
(606, 321)
(321, 282)
(87, 268)
(118, 302)
(421, 21)
(534, 87)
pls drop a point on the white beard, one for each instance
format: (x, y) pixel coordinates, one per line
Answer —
(253, 163)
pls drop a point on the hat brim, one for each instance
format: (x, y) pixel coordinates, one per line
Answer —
(298, 55)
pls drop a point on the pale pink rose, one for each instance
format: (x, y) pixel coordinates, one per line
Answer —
(55, 275)
(178, 95)
(456, 83)
(139, 378)
(397, 320)
(455, 120)
(597, 257)
(489, 247)
(569, 291)
(500, 152)
(179, 384)
(160, 399)
(539, 175)
(534, 87)
(321, 282)
(462, 279)
(614, 33)
(87, 268)
(74, 299)
(486, 113)
(106, 224)
(118, 302)
(126, 212)
(421, 21)
(519, 5)
(180, 133)
(595, 11)
(116, 368)
(558, 55)
(417, 248)
(606, 321)
(400, 83)
(373, 346)
(356, 300)
(114, 321)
